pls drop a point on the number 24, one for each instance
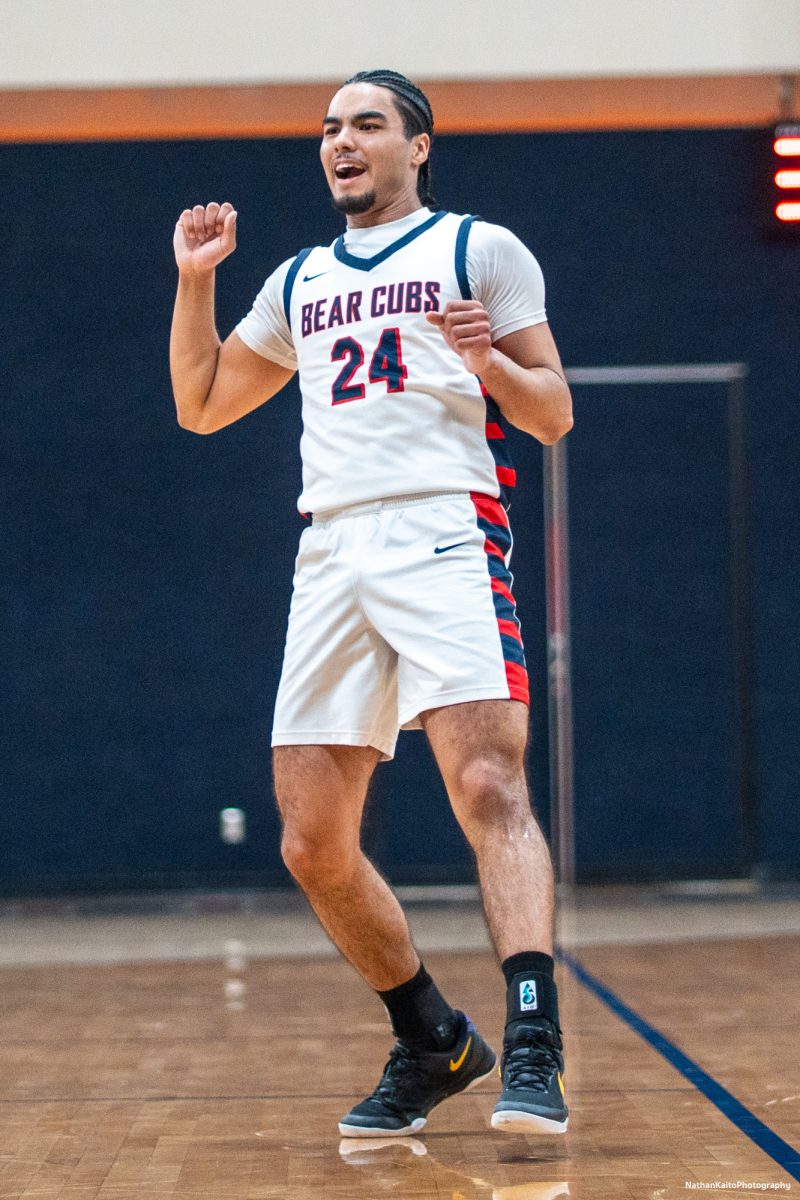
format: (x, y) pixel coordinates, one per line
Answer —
(387, 363)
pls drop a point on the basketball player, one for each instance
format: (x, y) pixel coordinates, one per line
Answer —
(414, 334)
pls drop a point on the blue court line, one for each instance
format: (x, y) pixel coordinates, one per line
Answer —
(778, 1150)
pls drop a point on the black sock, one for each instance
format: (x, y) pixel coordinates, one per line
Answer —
(529, 961)
(531, 992)
(420, 1014)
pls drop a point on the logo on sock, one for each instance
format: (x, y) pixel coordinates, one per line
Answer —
(528, 1000)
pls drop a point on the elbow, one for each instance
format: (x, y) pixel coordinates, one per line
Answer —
(188, 424)
(562, 420)
(557, 419)
(195, 429)
(554, 433)
(195, 424)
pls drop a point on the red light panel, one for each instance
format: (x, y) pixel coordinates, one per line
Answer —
(782, 216)
(788, 210)
(787, 147)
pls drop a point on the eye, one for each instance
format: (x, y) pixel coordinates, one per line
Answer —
(368, 125)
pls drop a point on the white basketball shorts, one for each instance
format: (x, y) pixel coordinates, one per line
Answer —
(398, 606)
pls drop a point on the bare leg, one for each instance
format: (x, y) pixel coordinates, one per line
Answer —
(321, 792)
(480, 749)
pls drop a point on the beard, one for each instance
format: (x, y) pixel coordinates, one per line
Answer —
(352, 205)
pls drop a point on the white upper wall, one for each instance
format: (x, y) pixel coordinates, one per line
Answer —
(84, 43)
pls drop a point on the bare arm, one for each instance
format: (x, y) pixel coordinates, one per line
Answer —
(522, 372)
(214, 383)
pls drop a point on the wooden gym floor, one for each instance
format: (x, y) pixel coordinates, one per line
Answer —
(207, 1049)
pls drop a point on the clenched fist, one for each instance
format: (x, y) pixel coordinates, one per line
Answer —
(466, 328)
(204, 236)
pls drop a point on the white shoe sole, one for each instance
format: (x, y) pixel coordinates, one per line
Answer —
(363, 1131)
(377, 1131)
(512, 1121)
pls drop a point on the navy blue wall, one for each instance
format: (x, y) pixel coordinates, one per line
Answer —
(146, 570)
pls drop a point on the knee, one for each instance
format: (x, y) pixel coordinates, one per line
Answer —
(314, 859)
(491, 791)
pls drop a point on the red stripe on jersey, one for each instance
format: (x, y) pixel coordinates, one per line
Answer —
(490, 509)
(490, 548)
(503, 589)
(506, 475)
(516, 675)
(517, 679)
(510, 627)
(493, 431)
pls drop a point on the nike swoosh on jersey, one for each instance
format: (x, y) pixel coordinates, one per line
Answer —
(308, 278)
(441, 549)
(454, 1066)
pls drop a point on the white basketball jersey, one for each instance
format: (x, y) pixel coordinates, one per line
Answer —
(388, 408)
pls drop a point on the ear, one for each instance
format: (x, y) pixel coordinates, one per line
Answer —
(422, 148)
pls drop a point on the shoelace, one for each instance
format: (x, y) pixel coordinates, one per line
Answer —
(401, 1069)
(531, 1060)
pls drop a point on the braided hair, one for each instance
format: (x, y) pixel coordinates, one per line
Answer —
(415, 109)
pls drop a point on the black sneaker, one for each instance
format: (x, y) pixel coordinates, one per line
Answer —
(532, 1100)
(414, 1081)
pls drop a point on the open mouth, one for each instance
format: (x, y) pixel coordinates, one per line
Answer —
(348, 170)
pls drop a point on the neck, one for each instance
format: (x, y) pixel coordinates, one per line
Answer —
(394, 210)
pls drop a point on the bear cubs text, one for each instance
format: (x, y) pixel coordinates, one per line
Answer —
(385, 300)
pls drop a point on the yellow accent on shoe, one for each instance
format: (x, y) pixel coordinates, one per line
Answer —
(454, 1066)
(560, 1083)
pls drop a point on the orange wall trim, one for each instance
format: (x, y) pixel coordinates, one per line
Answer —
(477, 106)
